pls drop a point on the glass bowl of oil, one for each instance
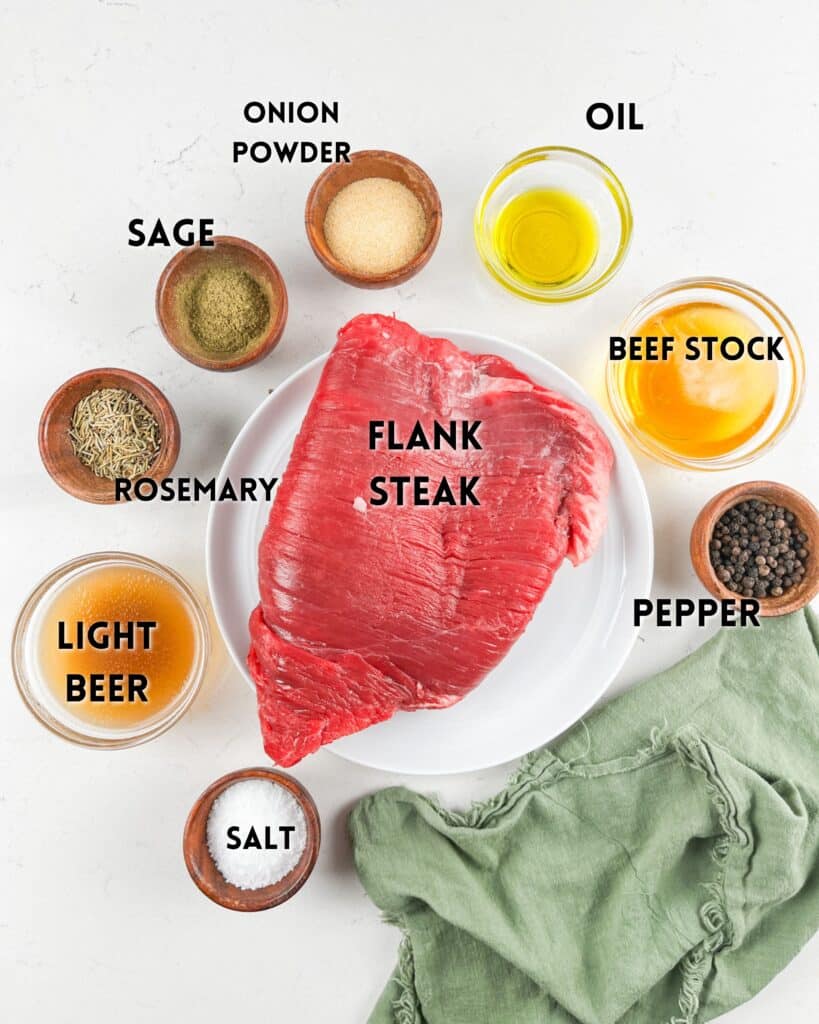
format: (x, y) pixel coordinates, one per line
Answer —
(554, 224)
(694, 412)
(110, 650)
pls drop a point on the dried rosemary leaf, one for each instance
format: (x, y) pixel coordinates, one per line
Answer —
(114, 434)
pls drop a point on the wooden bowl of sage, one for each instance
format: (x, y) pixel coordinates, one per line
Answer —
(107, 425)
(223, 306)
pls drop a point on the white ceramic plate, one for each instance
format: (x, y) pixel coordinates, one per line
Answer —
(571, 651)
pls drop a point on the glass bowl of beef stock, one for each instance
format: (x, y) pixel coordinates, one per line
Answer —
(553, 224)
(128, 585)
(737, 410)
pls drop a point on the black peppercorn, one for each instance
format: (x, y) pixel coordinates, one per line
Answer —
(758, 549)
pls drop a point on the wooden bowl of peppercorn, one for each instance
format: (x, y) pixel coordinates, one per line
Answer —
(758, 540)
(222, 306)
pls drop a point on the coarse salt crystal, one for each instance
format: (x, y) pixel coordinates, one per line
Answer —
(256, 804)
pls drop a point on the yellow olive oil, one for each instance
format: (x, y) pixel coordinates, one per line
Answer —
(699, 408)
(546, 237)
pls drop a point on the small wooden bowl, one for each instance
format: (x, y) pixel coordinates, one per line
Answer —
(190, 261)
(57, 451)
(372, 163)
(778, 494)
(205, 873)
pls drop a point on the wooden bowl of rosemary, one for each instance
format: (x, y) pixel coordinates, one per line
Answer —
(104, 425)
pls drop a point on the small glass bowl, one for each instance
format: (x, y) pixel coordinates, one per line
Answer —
(582, 176)
(767, 317)
(34, 689)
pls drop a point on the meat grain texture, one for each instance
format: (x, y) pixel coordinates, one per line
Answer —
(369, 610)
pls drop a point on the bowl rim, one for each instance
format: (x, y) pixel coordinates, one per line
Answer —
(318, 242)
(570, 154)
(100, 490)
(274, 333)
(772, 311)
(73, 733)
(703, 527)
(224, 894)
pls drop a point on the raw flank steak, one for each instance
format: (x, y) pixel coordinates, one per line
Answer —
(368, 609)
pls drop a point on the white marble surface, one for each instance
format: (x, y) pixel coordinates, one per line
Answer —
(116, 109)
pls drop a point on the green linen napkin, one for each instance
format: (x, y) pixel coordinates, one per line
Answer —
(659, 863)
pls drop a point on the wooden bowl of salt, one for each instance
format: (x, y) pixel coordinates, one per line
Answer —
(373, 222)
(256, 845)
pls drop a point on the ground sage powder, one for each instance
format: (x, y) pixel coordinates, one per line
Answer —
(226, 308)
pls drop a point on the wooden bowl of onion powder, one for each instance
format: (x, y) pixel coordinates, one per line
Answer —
(252, 839)
(373, 222)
